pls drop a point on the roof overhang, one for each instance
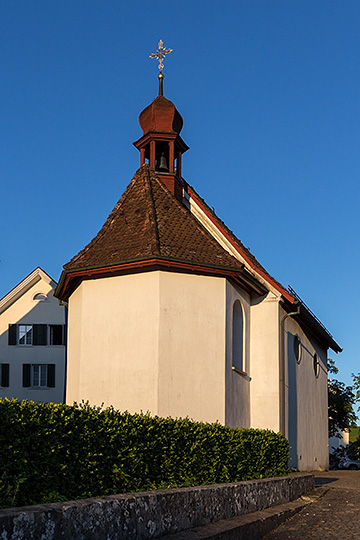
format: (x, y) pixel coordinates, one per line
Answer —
(232, 240)
(311, 324)
(71, 279)
(21, 288)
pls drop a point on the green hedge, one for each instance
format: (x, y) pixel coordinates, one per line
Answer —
(54, 452)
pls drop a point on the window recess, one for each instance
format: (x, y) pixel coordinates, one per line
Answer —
(4, 375)
(39, 375)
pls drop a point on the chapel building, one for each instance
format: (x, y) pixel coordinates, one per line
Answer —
(169, 313)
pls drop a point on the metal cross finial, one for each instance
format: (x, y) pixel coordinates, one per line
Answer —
(160, 54)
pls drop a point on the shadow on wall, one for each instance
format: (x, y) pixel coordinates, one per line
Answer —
(293, 401)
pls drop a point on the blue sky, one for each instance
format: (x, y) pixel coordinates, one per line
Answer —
(269, 93)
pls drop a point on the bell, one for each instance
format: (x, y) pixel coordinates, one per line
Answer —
(163, 166)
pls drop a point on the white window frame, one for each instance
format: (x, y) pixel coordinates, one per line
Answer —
(27, 334)
(39, 375)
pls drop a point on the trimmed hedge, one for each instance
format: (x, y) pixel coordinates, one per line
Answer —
(52, 452)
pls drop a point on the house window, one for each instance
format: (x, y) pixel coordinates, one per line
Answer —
(38, 375)
(56, 334)
(25, 334)
(40, 297)
(36, 334)
(238, 337)
(4, 375)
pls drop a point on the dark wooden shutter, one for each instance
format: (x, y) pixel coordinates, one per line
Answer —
(5, 374)
(12, 334)
(56, 334)
(26, 375)
(51, 376)
(40, 334)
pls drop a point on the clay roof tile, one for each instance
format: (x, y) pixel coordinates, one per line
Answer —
(149, 221)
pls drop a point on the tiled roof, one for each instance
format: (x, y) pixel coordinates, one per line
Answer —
(146, 222)
(149, 223)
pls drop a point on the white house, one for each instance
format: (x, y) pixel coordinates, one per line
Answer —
(170, 313)
(32, 341)
(340, 440)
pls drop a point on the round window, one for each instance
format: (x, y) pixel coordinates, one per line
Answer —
(316, 365)
(297, 348)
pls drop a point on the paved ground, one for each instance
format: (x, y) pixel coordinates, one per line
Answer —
(335, 512)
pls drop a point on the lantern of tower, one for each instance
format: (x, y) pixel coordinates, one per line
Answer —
(161, 145)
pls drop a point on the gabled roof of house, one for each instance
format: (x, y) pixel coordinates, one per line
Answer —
(21, 288)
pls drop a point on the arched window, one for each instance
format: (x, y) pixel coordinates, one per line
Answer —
(238, 337)
(316, 365)
(297, 348)
(41, 297)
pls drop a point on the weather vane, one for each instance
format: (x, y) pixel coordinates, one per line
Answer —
(160, 55)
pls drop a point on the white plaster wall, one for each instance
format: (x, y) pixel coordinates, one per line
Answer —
(264, 363)
(237, 402)
(26, 310)
(157, 341)
(306, 401)
(192, 347)
(113, 342)
(153, 342)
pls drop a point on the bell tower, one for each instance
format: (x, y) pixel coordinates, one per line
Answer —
(161, 145)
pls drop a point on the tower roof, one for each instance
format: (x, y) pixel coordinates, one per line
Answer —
(160, 116)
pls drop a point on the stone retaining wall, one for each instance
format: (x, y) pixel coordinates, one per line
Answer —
(148, 514)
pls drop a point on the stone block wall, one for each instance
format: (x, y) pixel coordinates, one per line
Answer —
(149, 514)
